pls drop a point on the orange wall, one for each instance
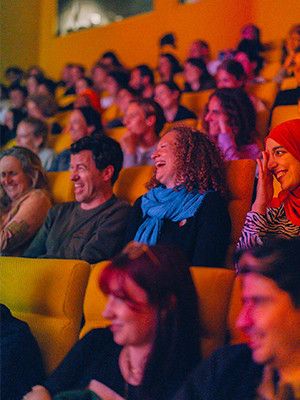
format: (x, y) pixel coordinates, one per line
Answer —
(135, 39)
(19, 33)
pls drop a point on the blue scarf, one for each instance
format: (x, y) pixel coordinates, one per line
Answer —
(161, 203)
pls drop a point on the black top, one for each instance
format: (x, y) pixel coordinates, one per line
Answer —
(204, 238)
(21, 360)
(229, 374)
(184, 113)
(96, 356)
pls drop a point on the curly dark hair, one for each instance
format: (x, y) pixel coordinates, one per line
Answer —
(199, 162)
(240, 112)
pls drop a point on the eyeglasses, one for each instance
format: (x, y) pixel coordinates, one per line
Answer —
(134, 250)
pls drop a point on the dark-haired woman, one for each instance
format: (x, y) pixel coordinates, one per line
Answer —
(230, 122)
(186, 204)
(196, 76)
(153, 340)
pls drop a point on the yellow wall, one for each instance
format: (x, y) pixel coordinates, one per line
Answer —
(19, 33)
(135, 39)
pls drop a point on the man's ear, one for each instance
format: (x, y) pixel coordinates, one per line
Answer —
(108, 172)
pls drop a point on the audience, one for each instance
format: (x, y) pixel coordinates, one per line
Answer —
(268, 366)
(144, 120)
(199, 49)
(186, 204)
(12, 118)
(168, 67)
(276, 216)
(230, 121)
(24, 200)
(32, 133)
(92, 227)
(153, 340)
(17, 97)
(83, 121)
(167, 95)
(44, 107)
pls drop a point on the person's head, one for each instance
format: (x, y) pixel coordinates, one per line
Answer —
(248, 55)
(293, 40)
(270, 315)
(250, 32)
(95, 165)
(142, 115)
(14, 74)
(13, 117)
(235, 106)
(32, 134)
(20, 171)
(199, 49)
(41, 106)
(82, 84)
(77, 71)
(124, 97)
(152, 302)
(230, 74)
(83, 122)
(141, 76)
(88, 98)
(99, 75)
(32, 84)
(283, 149)
(185, 156)
(47, 87)
(66, 73)
(167, 39)
(195, 71)
(110, 59)
(17, 96)
(116, 80)
(167, 95)
(35, 70)
(168, 66)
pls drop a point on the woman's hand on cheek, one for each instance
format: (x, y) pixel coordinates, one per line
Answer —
(265, 191)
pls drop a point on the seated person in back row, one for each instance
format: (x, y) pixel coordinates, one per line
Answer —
(167, 95)
(92, 227)
(144, 120)
(268, 366)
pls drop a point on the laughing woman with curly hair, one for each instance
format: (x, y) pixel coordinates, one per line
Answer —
(186, 204)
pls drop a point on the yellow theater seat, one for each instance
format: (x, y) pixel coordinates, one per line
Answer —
(240, 179)
(289, 83)
(131, 182)
(265, 91)
(191, 122)
(284, 113)
(213, 286)
(116, 133)
(94, 301)
(60, 142)
(61, 187)
(196, 101)
(9, 144)
(48, 295)
(270, 70)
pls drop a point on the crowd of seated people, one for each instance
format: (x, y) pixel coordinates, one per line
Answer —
(151, 298)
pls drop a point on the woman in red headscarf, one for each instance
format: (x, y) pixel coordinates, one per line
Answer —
(279, 216)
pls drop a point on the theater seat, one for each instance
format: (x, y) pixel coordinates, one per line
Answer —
(94, 301)
(61, 187)
(60, 142)
(48, 295)
(196, 101)
(116, 133)
(284, 113)
(265, 91)
(240, 179)
(131, 182)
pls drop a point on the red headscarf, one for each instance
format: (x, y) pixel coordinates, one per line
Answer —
(93, 98)
(287, 135)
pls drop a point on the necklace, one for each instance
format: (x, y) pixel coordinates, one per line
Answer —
(133, 375)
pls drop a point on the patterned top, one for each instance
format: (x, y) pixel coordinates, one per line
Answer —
(259, 227)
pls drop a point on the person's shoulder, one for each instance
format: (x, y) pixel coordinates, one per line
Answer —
(186, 112)
(99, 337)
(61, 208)
(213, 198)
(120, 203)
(39, 195)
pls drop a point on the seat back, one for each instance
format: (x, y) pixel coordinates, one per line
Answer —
(94, 301)
(240, 179)
(48, 295)
(265, 91)
(60, 142)
(196, 101)
(284, 113)
(61, 187)
(131, 182)
(116, 133)
(213, 286)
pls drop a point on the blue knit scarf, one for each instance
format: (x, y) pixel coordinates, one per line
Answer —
(161, 203)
